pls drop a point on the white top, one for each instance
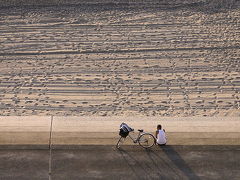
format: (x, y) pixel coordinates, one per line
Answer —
(161, 137)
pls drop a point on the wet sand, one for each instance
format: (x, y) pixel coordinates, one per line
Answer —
(169, 59)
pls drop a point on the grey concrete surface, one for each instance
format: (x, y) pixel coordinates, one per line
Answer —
(131, 162)
(24, 164)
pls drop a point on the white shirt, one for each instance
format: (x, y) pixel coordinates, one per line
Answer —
(161, 137)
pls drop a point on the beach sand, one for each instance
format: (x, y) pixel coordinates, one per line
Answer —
(164, 59)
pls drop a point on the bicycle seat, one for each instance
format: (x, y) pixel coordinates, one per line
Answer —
(140, 130)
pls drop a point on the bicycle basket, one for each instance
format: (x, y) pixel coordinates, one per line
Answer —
(123, 133)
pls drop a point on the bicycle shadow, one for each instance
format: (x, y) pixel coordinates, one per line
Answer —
(176, 159)
(145, 166)
(159, 162)
(135, 166)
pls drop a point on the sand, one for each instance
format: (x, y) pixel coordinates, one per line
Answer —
(164, 59)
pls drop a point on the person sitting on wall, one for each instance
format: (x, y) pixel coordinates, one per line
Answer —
(161, 136)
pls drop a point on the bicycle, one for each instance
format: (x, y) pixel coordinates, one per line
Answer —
(144, 139)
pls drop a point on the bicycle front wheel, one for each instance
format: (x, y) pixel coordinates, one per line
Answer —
(146, 140)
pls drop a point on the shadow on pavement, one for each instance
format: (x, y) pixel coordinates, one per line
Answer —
(177, 160)
(148, 165)
(156, 158)
(133, 164)
(151, 164)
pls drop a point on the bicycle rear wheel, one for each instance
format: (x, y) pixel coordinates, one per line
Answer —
(146, 140)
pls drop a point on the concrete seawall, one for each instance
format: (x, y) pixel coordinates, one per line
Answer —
(58, 132)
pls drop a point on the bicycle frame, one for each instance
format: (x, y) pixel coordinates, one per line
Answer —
(138, 139)
(135, 140)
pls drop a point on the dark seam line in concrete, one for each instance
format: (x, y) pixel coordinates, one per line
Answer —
(50, 151)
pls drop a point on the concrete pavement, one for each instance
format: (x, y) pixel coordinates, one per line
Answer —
(25, 131)
(180, 131)
(24, 164)
(83, 148)
(41, 131)
(131, 162)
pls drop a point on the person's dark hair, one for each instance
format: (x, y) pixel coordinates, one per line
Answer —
(159, 126)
